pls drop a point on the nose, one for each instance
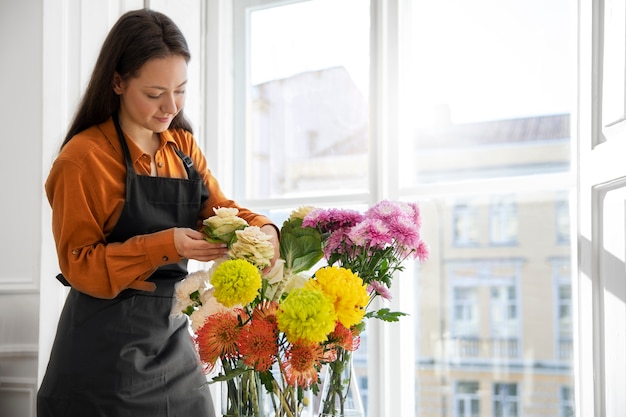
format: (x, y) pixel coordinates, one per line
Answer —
(169, 104)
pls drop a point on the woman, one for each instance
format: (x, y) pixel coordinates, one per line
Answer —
(129, 190)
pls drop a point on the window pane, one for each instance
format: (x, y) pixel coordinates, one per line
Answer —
(490, 87)
(307, 99)
(507, 307)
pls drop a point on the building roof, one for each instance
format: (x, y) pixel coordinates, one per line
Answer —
(509, 131)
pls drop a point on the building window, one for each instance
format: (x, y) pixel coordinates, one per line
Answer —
(503, 221)
(567, 408)
(485, 319)
(563, 308)
(562, 220)
(465, 226)
(465, 307)
(505, 400)
(503, 311)
(466, 400)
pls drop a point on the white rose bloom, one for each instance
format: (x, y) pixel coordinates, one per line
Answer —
(196, 281)
(300, 212)
(225, 223)
(254, 246)
(226, 212)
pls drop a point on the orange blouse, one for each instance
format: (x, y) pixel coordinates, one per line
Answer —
(86, 190)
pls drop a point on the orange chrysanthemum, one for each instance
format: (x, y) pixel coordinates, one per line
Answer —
(218, 338)
(302, 362)
(345, 338)
(257, 344)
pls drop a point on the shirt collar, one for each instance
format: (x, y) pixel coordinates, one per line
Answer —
(108, 128)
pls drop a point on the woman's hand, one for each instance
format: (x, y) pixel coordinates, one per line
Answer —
(271, 230)
(190, 244)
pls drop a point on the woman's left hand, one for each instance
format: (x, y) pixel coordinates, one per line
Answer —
(271, 230)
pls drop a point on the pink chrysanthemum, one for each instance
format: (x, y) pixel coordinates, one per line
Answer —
(406, 234)
(385, 210)
(336, 243)
(372, 233)
(329, 220)
(416, 216)
(422, 252)
(380, 289)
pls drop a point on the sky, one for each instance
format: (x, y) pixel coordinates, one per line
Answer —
(483, 60)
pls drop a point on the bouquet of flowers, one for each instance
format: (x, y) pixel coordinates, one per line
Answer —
(374, 245)
(270, 330)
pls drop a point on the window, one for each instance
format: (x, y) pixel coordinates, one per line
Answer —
(567, 402)
(563, 309)
(503, 222)
(466, 400)
(504, 311)
(302, 98)
(465, 229)
(562, 222)
(465, 305)
(505, 400)
(419, 100)
(490, 131)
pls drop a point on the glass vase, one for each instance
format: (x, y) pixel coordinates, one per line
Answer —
(287, 400)
(244, 396)
(340, 393)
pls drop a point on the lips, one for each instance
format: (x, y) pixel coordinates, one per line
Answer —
(163, 119)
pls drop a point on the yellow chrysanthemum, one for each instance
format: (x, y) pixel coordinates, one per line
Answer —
(306, 315)
(346, 291)
(236, 282)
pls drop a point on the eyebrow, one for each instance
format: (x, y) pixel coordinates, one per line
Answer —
(163, 88)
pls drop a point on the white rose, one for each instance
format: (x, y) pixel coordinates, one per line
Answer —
(300, 212)
(254, 246)
(196, 281)
(223, 225)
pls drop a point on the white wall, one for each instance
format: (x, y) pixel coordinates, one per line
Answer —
(20, 222)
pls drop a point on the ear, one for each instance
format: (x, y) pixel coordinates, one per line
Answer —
(118, 84)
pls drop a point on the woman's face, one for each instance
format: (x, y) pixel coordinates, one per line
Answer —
(150, 100)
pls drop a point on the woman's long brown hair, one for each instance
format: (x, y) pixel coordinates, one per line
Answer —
(136, 37)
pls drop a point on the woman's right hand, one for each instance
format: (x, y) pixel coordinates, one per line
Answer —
(190, 244)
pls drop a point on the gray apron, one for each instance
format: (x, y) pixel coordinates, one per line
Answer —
(127, 356)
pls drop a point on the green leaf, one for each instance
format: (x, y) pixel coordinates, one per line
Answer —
(385, 314)
(230, 374)
(266, 379)
(300, 247)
